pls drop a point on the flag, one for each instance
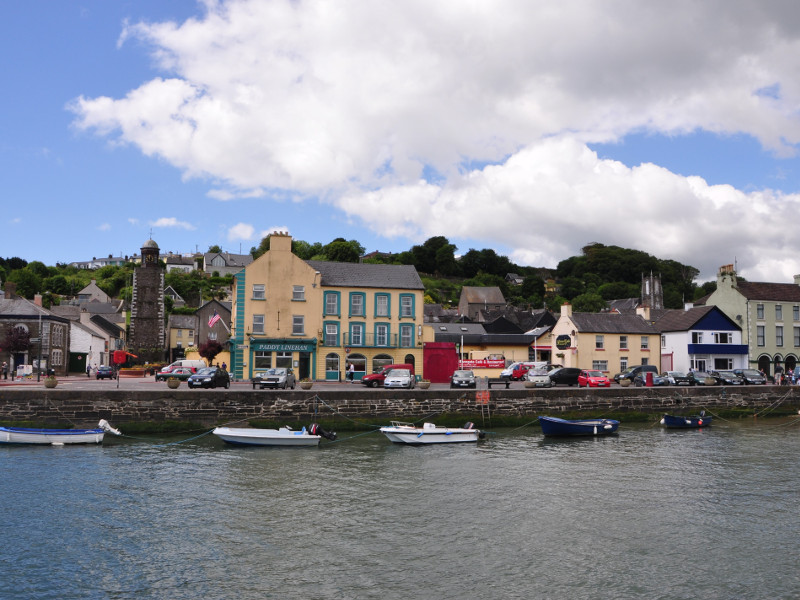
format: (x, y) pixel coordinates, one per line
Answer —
(214, 318)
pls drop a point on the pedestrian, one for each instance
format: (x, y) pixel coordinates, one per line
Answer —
(224, 366)
(5, 370)
(88, 369)
(351, 372)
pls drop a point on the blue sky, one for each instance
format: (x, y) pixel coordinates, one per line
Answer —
(216, 122)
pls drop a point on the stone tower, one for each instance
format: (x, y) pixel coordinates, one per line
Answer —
(652, 294)
(147, 333)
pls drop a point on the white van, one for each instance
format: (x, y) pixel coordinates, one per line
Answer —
(192, 364)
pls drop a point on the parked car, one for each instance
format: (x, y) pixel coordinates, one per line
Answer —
(539, 378)
(632, 372)
(506, 373)
(182, 373)
(522, 369)
(677, 378)
(376, 379)
(106, 372)
(278, 377)
(462, 378)
(699, 377)
(209, 377)
(726, 378)
(564, 375)
(750, 376)
(593, 379)
(641, 379)
(399, 378)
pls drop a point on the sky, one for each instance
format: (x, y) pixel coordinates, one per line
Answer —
(532, 128)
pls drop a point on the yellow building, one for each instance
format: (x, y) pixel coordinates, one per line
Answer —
(318, 316)
(608, 342)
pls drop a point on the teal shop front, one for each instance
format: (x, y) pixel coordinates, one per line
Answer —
(293, 353)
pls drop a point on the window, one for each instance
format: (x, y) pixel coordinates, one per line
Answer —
(663, 341)
(600, 365)
(191, 334)
(723, 364)
(179, 333)
(356, 334)
(298, 325)
(759, 311)
(723, 338)
(258, 323)
(57, 336)
(381, 335)
(212, 335)
(298, 293)
(357, 304)
(623, 342)
(796, 313)
(259, 291)
(406, 305)
(797, 337)
(778, 312)
(760, 335)
(698, 364)
(57, 357)
(645, 361)
(599, 342)
(332, 303)
(779, 335)
(623, 363)
(382, 305)
(645, 343)
(283, 360)
(262, 360)
(331, 334)
(407, 336)
(697, 337)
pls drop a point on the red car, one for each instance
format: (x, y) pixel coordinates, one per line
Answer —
(593, 379)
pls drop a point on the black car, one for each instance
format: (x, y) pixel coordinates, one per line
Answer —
(699, 377)
(750, 376)
(678, 378)
(631, 372)
(209, 377)
(564, 375)
(463, 378)
(106, 372)
(726, 378)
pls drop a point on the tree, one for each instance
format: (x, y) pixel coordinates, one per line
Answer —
(215, 249)
(588, 302)
(340, 250)
(209, 350)
(17, 339)
(28, 282)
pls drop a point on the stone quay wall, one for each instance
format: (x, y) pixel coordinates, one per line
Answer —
(212, 407)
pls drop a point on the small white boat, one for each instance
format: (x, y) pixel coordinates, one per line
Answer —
(56, 437)
(285, 436)
(408, 433)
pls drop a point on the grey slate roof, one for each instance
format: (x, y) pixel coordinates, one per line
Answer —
(342, 274)
(612, 323)
(684, 320)
(22, 307)
(481, 295)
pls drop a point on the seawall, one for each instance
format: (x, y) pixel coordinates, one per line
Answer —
(211, 407)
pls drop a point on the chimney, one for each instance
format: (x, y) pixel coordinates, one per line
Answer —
(643, 311)
(37, 299)
(726, 276)
(566, 309)
(797, 279)
(11, 290)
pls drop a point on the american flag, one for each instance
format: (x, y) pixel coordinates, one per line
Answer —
(214, 318)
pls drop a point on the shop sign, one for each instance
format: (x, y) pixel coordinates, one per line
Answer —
(563, 342)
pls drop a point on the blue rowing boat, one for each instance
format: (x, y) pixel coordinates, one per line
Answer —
(553, 426)
(693, 422)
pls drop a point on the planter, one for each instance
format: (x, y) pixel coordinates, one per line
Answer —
(50, 382)
(625, 382)
(529, 384)
(131, 372)
(424, 385)
(710, 381)
(306, 385)
(173, 384)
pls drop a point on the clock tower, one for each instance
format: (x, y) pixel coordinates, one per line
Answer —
(147, 333)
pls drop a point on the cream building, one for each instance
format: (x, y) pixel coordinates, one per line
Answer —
(317, 316)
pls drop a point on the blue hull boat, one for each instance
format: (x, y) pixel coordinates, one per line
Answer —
(553, 426)
(693, 422)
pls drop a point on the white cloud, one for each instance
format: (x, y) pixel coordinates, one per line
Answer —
(172, 222)
(241, 231)
(353, 102)
(104, 227)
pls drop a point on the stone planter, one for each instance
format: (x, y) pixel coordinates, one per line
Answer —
(710, 381)
(50, 382)
(173, 384)
(306, 385)
(529, 384)
(424, 385)
(625, 382)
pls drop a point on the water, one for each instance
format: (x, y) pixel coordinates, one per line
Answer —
(646, 514)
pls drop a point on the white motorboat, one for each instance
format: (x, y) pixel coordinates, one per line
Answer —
(56, 437)
(408, 433)
(285, 436)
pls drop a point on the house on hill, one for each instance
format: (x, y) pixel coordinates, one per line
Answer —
(475, 299)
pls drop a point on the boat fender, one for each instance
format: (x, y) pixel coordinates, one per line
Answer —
(699, 421)
(662, 421)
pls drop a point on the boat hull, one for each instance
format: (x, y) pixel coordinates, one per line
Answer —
(693, 422)
(266, 437)
(553, 426)
(429, 434)
(52, 437)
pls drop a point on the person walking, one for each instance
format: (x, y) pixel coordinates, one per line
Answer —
(5, 370)
(351, 372)
(88, 369)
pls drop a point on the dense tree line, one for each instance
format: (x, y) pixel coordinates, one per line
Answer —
(599, 274)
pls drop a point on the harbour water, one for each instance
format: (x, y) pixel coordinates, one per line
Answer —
(648, 513)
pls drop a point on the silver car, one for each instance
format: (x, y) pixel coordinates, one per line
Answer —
(274, 378)
(399, 378)
(539, 378)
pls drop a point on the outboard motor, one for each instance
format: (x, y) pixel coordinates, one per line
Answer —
(315, 429)
(469, 425)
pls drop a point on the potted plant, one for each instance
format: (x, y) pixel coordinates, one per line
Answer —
(424, 383)
(50, 381)
(173, 383)
(625, 382)
(306, 383)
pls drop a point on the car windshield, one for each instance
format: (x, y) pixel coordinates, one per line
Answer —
(276, 372)
(675, 374)
(537, 372)
(463, 374)
(751, 373)
(556, 370)
(594, 374)
(205, 371)
(399, 373)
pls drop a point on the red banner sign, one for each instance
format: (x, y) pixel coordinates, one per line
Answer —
(482, 364)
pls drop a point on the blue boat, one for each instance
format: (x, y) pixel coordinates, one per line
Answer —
(553, 426)
(693, 422)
